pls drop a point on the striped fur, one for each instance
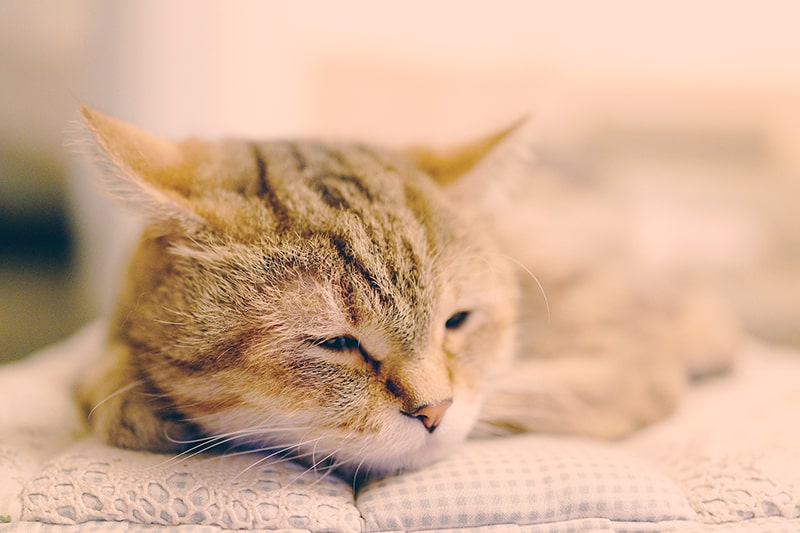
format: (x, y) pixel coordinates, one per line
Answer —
(223, 323)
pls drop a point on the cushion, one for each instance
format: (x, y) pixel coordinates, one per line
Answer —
(92, 481)
(524, 480)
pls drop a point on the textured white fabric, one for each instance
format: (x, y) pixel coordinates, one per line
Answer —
(734, 445)
(729, 460)
(523, 480)
(769, 525)
(92, 481)
(121, 527)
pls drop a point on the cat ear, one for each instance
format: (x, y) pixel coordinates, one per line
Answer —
(447, 166)
(150, 174)
(489, 175)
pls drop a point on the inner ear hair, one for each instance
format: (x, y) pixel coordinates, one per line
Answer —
(147, 173)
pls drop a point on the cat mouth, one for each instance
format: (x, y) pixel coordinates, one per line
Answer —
(412, 443)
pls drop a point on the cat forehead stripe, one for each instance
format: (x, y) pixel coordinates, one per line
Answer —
(299, 159)
(348, 255)
(333, 178)
(267, 192)
(336, 191)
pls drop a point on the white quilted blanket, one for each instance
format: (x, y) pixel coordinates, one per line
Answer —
(729, 460)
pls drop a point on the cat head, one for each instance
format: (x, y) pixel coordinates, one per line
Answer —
(336, 301)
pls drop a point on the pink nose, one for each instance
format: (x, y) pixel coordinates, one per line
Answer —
(431, 414)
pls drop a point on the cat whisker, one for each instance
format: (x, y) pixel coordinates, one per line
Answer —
(207, 443)
(354, 474)
(168, 323)
(251, 451)
(282, 451)
(232, 434)
(355, 479)
(176, 312)
(119, 391)
(328, 468)
(261, 432)
(322, 467)
(203, 447)
(535, 279)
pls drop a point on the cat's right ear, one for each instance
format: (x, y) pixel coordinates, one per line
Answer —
(149, 174)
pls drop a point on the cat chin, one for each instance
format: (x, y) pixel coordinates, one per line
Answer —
(407, 445)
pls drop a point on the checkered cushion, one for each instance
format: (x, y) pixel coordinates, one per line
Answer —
(524, 480)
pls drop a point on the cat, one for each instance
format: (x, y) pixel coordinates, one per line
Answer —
(369, 309)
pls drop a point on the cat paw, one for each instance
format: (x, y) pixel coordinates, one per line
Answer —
(586, 395)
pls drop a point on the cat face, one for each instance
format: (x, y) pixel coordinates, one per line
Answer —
(332, 301)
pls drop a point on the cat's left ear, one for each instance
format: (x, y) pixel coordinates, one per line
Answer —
(485, 173)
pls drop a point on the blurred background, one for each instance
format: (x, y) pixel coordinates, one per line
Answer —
(689, 110)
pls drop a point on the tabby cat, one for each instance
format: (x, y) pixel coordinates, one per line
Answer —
(369, 309)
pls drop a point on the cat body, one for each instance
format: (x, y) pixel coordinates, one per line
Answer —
(363, 309)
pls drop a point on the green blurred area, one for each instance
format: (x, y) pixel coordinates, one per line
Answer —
(39, 301)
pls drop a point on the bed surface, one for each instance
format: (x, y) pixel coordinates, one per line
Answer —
(728, 460)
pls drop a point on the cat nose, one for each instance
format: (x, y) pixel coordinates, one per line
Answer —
(431, 414)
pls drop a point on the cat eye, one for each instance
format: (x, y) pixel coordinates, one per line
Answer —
(339, 344)
(346, 343)
(457, 320)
